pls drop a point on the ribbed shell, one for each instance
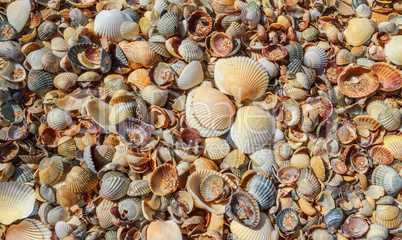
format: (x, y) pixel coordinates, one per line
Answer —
(11, 50)
(388, 178)
(388, 216)
(190, 76)
(334, 218)
(23, 173)
(107, 24)
(389, 77)
(11, 112)
(239, 203)
(18, 13)
(252, 129)
(121, 111)
(263, 190)
(130, 208)
(209, 111)
(114, 187)
(28, 229)
(17, 201)
(81, 180)
(285, 224)
(50, 170)
(261, 232)
(295, 51)
(308, 186)
(168, 24)
(358, 31)
(164, 180)
(377, 231)
(103, 213)
(390, 119)
(154, 95)
(163, 230)
(40, 81)
(62, 229)
(241, 77)
(58, 119)
(316, 58)
(393, 50)
(138, 188)
(394, 144)
(129, 29)
(140, 52)
(190, 51)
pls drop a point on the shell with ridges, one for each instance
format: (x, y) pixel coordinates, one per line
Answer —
(393, 50)
(29, 229)
(388, 178)
(18, 13)
(81, 180)
(262, 231)
(358, 31)
(107, 23)
(390, 119)
(114, 186)
(388, 216)
(163, 180)
(389, 77)
(316, 58)
(263, 190)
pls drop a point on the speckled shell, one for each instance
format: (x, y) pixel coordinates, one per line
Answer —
(358, 31)
(358, 89)
(287, 220)
(252, 129)
(107, 23)
(263, 190)
(17, 201)
(393, 50)
(242, 201)
(241, 77)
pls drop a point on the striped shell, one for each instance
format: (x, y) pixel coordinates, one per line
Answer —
(81, 180)
(114, 186)
(263, 190)
(388, 178)
(168, 24)
(243, 208)
(315, 58)
(393, 50)
(103, 213)
(262, 231)
(18, 13)
(357, 81)
(107, 24)
(58, 119)
(308, 186)
(29, 229)
(394, 144)
(167, 230)
(40, 81)
(140, 52)
(389, 77)
(388, 216)
(358, 31)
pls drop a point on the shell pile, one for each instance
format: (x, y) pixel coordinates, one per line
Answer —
(200, 119)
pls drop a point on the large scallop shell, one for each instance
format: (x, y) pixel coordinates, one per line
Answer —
(29, 229)
(241, 77)
(389, 77)
(357, 81)
(17, 201)
(358, 31)
(252, 129)
(316, 58)
(393, 50)
(209, 111)
(107, 23)
(262, 231)
(18, 13)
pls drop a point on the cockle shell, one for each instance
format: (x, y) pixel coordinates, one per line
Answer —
(388, 178)
(103, 213)
(394, 144)
(316, 58)
(344, 57)
(252, 129)
(159, 230)
(262, 231)
(357, 81)
(114, 186)
(190, 76)
(29, 229)
(389, 77)
(358, 31)
(58, 119)
(129, 30)
(308, 186)
(18, 13)
(393, 50)
(243, 208)
(154, 95)
(163, 180)
(263, 190)
(390, 119)
(388, 216)
(168, 24)
(81, 180)
(215, 148)
(287, 220)
(190, 51)
(107, 23)
(140, 52)
(230, 75)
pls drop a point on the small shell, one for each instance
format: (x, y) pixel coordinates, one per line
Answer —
(212, 188)
(317, 165)
(377, 231)
(263, 191)
(199, 24)
(18, 14)
(354, 227)
(221, 44)
(274, 52)
(81, 180)
(40, 81)
(242, 207)
(358, 31)
(134, 131)
(308, 186)
(154, 95)
(191, 76)
(139, 52)
(17, 201)
(334, 217)
(103, 213)
(390, 119)
(129, 30)
(139, 79)
(130, 208)
(107, 23)
(291, 112)
(288, 175)
(168, 24)
(163, 230)
(58, 119)
(310, 34)
(114, 186)
(357, 81)
(295, 51)
(235, 30)
(381, 155)
(389, 77)
(388, 27)
(11, 112)
(50, 62)
(315, 58)
(262, 231)
(393, 50)
(163, 180)
(62, 229)
(287, 220)
(51, 170)
(388, 178)
(363, 11)
(13, 72)
(215, 148)
(388, 216)
(360, 162)
(65, 81)
(12, 51)
(344, 57)
(46, 30)
(138, 188)
(190, 51)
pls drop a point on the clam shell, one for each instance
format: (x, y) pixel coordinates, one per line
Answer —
(23, 173)
(212, 187)
(315, 58)
(114, 186)
(190, 51)
(138, 188)
(65, 81)
(191, 76)
(121, 111)
(235, 30)
(375, 107)
(287, 220)
(292, 113)
(215, 148)
(34, 58)
(154, 95)
(168, 230)
(57, 214)
(50, 62)
(377, 231)
(46, 30)
(163, 180)
(50, 170)
(134, 131)
(12, 51)
(270, 67)
(140, 52)
(29, 229)
(243, 208)
(393, 143)
(139, 79)
(40, 81)
(310, 34)
(263, 191)
(168, 24)
(231, 72)
(393, 49)
(388, 216)
(274, 52)
(344, 57)
(103, 213)
(81, 180)
(295, 51)
(388, 178)
(129, 30)
(100, 111)
(11, 112)
(58, 119)
(363, 11)
(107, 24)
(252, 129)
(381, 155)
(205, 104)
(130, 208)
(357, 81)
(62, 229)
(390, 119)
(17, 201)
(18, 14)
(199, 25)
(334, 217)
(358, 31)
(389, 77)
(220, 44)
(262, 231)
(263, 161)
(317, 165)
(13, 72)
(308, 187)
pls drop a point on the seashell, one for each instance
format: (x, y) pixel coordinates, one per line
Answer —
(34, 59)
(344, 57)
(99, 111)
(182, 203)
(17, 202)
(317, 165)
(77, 17)
(40, 81)
(201, 107)
(65, 81)
(47, 193)
(392, 50)
(291, 112)
(354, 227)
(138, 188)
(163, 230)
(88, 56)
(358, 31)
(295, 93)
(96, 157)
(199, 24)
(387, 215)
(129, 30)
(121, 111)
(103, 213)
(50, 170)
(360, 162)
(388, 178)
(107, 24)
(50, 62)
(262, 231)
(315, 58)
(65, 197)
(310, 34)
(57, 214)
(242, 207)
(295, 51)
(29, 229)
(270, 67)
(18, 14)
(130, 208)
(357, 81)
(190, 51)
(11, 112)
(287, 220)
(23, 173)
(114, 186)
(81, 180)
(154, 95)
(140, 52)
(160, 49)
(221, 44)
(215, 148)
(388, 27)
(377, 231)
(375, 107)
(63, 229)
(212, 188)
(168, 24)
(46, 30)
(139, 79)
(389, 77)
(274, 52)
(252, 133)
(134, 131)
(308, 186)
(231, 72)
(235, 30)
(263, 191)
(58, 119)
(8, 32)
(334, 218)
(163, 180)
(13, 72)
(12, 51)
(191, 76)
(390, 119)
(363, 11)
(381, 155)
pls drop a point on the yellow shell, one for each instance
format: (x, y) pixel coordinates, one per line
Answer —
(139, 78)
(241, 77)
(215, 148)
(393, 50)
(81, 180)
(394, 144)
(388, 216)
(140, 52)
(318, 168)
(163, 230)
(261, 232)
(358, 31)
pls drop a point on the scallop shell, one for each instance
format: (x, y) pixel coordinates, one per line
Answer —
(204, 104)
(394, 144)
(107, 23)
(287, 220)
(390, 119)
(58, 119)
(263, 190)
(308, 186)
(18, 13)
(114, 186)
(235, 30)
(100, 111)
(168, 230)
(154, 95)
(295, 51)
(315, 58)
(168, 24)
(40, 81)
(334, 217)
(139, 79)
(130, 208)
(17, 201)
(121, 111)
(377, 231)
(357, 81)
(103, 213)
(393, 50)
(50, 62)
(360, 162)
(221, 44)
(389, 77)
(63, 229)
(215, 148)
(344, 57)
(12, 51)
(252, 129)
(23, 173)
(310, 34)
(50, 170)
(163, 180)
(388, 178)
(358, 31)
(230, 74)
(381, 155)
(274, 52)
(140, 52)
(65, 81)
(190, 51)
(81, 180)
(29, 229)
(388, 216)
(262, 231)
(138, 188)
(354, 227)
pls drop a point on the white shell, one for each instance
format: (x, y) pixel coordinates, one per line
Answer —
(108, 22)
(17, 201)
(58, 119)
(393, 50)
(99, 111)
(252, 129)
(191, 76)
(316, 58)
(129, 29)
(271, 68)
(261, 232)
(18, 13)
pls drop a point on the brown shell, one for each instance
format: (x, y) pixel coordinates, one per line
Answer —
(164, 180)
(221, 44)
(381, 155)
(274, 52)
(357, 81)
(288, 175)
(360, 162)
(346, 132)
(389, 77)
(199, 24)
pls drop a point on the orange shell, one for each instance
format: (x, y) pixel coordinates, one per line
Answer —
(199, 25)
(389, 77)
(381, 155)
(357, 81)
(274, 52)
(221, 44)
